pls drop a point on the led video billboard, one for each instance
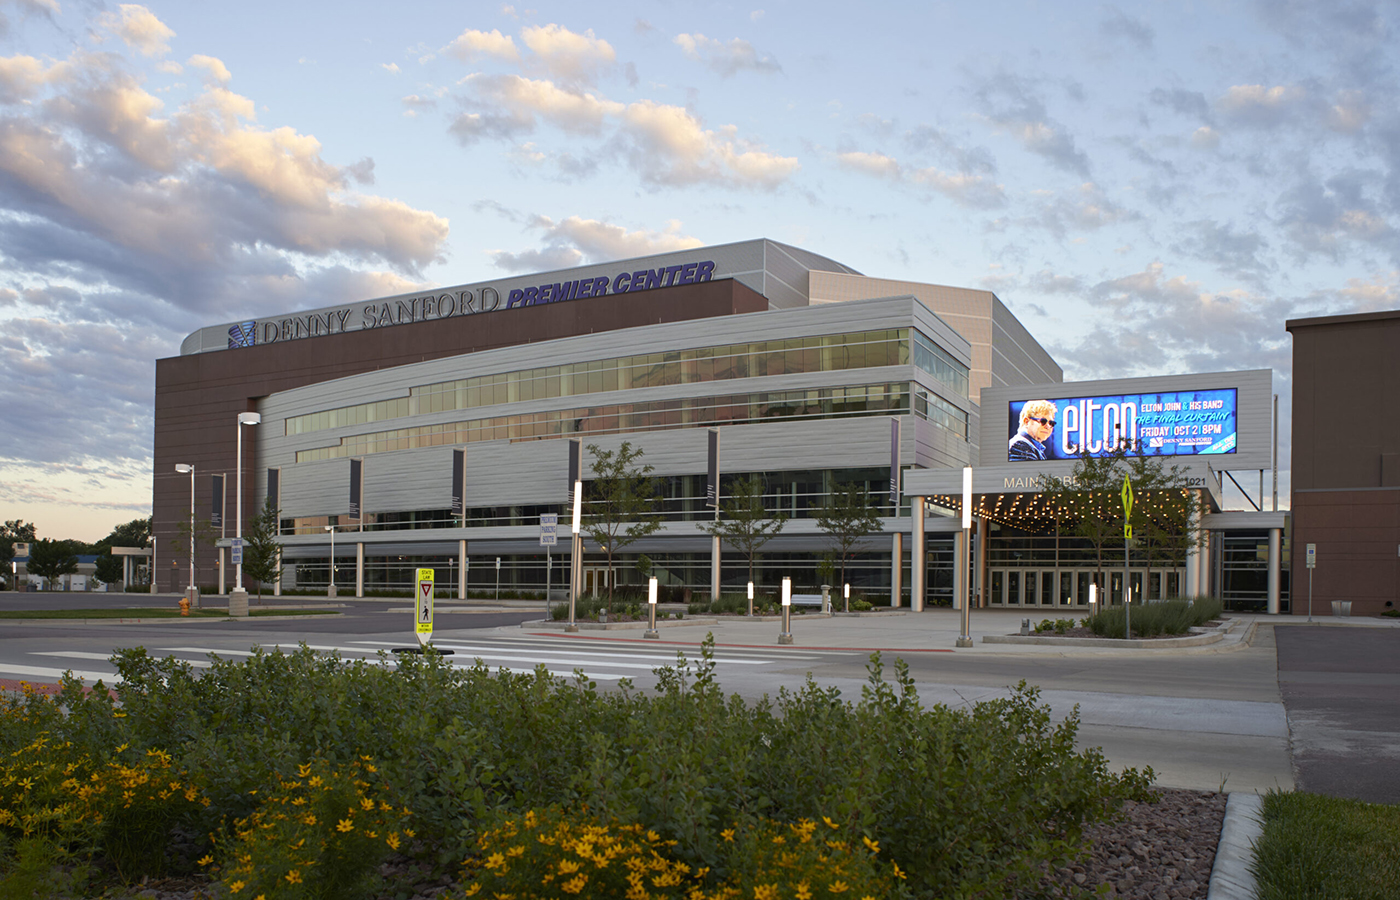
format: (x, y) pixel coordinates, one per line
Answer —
(1176, 423)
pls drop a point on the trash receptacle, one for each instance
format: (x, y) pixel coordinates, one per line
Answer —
(1341, 607)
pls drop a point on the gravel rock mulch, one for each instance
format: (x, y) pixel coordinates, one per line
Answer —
(1157, 851)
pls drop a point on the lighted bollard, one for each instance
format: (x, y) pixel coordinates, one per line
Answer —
(750, 598)
(651, 632)
(785, 636)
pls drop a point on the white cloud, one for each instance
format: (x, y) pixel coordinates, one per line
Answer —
(472, 44)
(725, 58)
(567, 55)
(391, 68)
(1260, 106)
(669, 146)
(964, 188)
(216, 69)
(1205, 138)
(575, 241)
(138, 27)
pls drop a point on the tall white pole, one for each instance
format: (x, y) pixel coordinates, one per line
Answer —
(965, 638)
(238, 520)
(238, 600)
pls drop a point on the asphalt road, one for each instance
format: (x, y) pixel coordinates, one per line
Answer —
(1204, 719)
(1341, 687)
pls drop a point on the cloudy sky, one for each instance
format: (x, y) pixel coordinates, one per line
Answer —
(1152, 187)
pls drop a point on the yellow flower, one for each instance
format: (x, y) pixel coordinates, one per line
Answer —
(568, 867)
(309, 819)
(803, 892)
(766, 892)
(205, 860)
(495, 861)
(472, 891)
(829, 823)
(235, 886)
(897, 872)
(293, 877)
(366, 804)
(779, 839)
(392, 840)
(575, 884)
(345, 825)
(728, 834)
(515, 851)
(839, 887)
(873, 845)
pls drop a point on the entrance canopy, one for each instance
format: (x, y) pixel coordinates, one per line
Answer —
(1012, 496)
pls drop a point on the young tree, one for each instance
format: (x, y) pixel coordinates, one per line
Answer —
(51, 559)
(109, 569)
(744, 524)
(847, 518)
(621, 504)
(262, 553)
(1164, 519)
(1090, 498)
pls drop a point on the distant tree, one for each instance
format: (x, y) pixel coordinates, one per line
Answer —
(621, 504)
(204, 535)
(109, 569)
(14, 530)
(262, 553)
(136, 533)
(744, 523)
(51, 559)
(847, 518)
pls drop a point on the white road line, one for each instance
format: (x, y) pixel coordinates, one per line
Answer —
(55, 674)
(100, 657)
(597, 676)
(496, 652)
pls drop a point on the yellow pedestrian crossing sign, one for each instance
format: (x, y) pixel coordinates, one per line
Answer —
(1127, 508)
(423, 622)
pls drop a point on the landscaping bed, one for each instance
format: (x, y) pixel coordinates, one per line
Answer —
(280, 773)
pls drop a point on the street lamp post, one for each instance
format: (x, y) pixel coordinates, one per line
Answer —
(238, 600)
(330, 591)
(191, 592)
(575, 573)
(965, 637)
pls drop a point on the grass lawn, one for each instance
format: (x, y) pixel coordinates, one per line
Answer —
(1324, 847)
(152, 612)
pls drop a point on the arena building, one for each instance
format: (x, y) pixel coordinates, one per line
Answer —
(435, 429)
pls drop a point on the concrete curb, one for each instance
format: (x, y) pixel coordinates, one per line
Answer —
(1230, 878)
(553, 625)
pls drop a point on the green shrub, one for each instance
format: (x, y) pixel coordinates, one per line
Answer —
(969, 802)
(861, 605)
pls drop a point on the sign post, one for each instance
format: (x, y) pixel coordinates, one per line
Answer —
(238, 551)
(549, 537)
(423, 620)
(1127, 537)
(1312, 564)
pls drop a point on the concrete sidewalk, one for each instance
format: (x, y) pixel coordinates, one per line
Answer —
(934, 630)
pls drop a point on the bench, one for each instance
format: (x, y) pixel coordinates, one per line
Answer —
(807, 600)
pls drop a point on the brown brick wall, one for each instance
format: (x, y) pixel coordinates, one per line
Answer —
(198, 397)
